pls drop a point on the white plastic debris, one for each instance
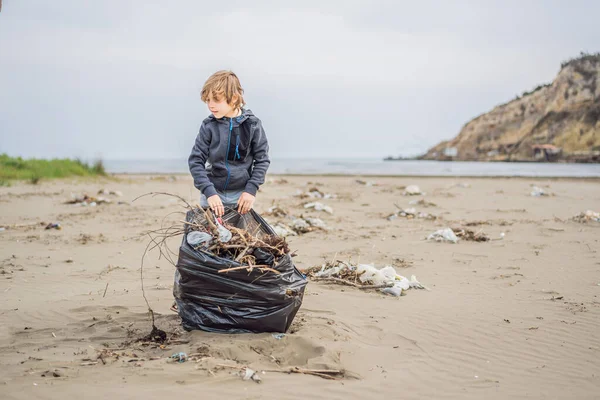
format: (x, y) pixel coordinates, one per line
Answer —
(394, 291)
(412, 190)
(315, 193)
(376, 276)
(319, 207)
(250, 374)
(195, 238)
(329, 272)
(407, 211)
(366, 183)
(370, 275)
(224, 234)
(592, 215)
(414, 283)
(283, 230)
(317, 223)
(537, 192)
(443, 235)
(588, 216)
(300, 225)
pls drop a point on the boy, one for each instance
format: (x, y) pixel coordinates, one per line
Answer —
(230, 158)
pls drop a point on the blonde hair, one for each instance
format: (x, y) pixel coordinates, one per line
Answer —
(223, 84)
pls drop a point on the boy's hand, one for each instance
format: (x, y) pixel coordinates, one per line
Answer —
(245, 203)
(215, 204)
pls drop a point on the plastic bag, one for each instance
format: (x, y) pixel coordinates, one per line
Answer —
(444, 235)
(236, 301)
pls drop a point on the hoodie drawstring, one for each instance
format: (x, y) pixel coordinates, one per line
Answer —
(227, 154)
(237, 148)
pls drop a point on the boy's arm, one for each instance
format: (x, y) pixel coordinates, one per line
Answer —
(260, 153)
(197, 161)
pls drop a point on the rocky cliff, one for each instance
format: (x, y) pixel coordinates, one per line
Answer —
(558, 121)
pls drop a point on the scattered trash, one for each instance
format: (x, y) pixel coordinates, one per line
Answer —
(53, 225)
(225, 234)
(588, 216)
(280, 181)
(410, 213)
(86, 200)
(401, 262)
(443, 235)
(469, 235)
(278, 336)
(537, 192)
(2, 229)
(412, 190)
(392, 216)
(316, 223)
(363, 276)
(196, 238)
(276, 211)
(179, 357)
(422, 203)
(55, 373)
(315, 193)
(463, 185)
(250, 374)
(283, 230)
(106, 192)
(300, 225)
(366, 183)
(304, 225)
(319, 207)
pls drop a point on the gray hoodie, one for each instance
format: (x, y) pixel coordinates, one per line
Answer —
(230, 154)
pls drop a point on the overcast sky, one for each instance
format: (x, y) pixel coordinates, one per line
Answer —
(120, 79)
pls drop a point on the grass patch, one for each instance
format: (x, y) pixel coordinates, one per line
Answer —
(32, 170)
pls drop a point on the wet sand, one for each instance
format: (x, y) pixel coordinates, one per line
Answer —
(517, 317)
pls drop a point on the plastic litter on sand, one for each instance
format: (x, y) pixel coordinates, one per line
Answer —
(367, 275)
(443, 235)
(319, 207)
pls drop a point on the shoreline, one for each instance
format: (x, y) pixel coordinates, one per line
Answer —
(334, 175)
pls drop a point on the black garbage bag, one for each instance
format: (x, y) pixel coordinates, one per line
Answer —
(236, 301)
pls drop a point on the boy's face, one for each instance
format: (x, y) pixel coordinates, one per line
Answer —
(219, 108)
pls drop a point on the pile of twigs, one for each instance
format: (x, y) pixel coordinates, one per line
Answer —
(243, 244)
(347, 274)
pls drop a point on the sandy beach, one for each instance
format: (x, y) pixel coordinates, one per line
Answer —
(515, 317)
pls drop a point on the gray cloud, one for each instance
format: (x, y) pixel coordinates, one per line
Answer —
(120, 79)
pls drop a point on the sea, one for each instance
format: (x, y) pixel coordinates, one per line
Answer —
(377, 167)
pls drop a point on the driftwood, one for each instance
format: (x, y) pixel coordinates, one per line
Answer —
(331, 374)
(262, 268)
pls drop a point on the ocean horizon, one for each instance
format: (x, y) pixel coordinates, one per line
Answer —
(373, 166)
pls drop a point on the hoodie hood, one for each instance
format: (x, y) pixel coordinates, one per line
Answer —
(246, 113)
